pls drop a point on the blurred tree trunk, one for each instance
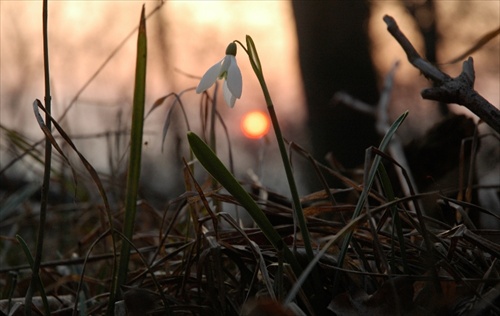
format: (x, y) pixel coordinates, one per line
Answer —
(334, 53)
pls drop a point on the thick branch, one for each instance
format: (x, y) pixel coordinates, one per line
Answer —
(459, 90)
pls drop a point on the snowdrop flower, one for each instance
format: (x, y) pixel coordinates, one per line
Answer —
(228, 70)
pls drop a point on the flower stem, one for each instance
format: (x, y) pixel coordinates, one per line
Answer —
(297, 206)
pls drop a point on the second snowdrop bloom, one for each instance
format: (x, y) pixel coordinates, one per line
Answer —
(228, 70)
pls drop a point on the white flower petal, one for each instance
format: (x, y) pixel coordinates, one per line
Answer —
(209, 77)
(234, 80)
(226, 63)
(228, 96)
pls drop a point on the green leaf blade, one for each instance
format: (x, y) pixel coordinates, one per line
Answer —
(217, 169)
(134, 168)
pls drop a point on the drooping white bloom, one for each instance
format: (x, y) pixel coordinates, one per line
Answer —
(228, 70)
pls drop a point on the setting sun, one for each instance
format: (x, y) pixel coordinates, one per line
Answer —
(255, 124)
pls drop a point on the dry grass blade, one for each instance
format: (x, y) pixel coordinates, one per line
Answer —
(347, 229)
(258, 254)
(485, 39)
(105, 63)
(168, 119)
(21, 142)
(82, 274)
(93, 173)
(201, 194)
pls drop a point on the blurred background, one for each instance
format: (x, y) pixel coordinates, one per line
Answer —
(309, 51)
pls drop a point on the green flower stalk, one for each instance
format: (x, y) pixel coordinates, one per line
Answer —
(251, 50)
(227, 69)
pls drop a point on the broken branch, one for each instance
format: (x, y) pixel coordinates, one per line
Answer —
(459, 90)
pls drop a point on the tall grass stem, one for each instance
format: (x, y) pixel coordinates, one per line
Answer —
(46, 173)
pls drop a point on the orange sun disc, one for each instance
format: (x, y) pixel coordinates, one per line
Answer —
(255, 125)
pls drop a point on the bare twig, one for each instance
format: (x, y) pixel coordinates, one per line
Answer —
(459, 90)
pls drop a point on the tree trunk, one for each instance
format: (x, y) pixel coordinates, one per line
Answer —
(334, 53)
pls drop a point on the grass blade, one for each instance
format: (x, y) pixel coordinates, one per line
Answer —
(347, 229)
(37, 281)
(134, 168)
(397, 228)
(368, 184)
